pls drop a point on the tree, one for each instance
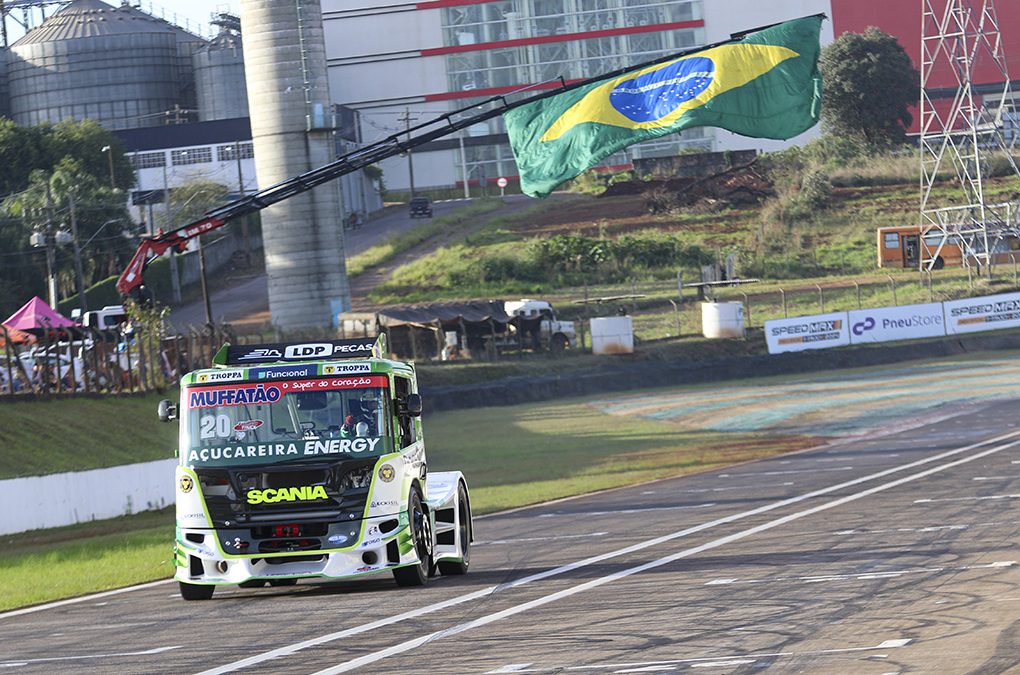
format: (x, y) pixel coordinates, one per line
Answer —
(869, 87)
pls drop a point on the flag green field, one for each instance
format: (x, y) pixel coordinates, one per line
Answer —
(764, 85)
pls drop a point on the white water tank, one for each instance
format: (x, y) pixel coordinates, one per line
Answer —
(612, 335)
(722, 319)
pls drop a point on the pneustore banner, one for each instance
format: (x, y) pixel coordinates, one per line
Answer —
(904, 322)
(991, 312)
(819, 331)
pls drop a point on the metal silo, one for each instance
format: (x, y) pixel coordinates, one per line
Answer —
(219, 74)
(115, 65)
(285, 61)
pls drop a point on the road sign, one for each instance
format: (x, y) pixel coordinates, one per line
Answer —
(502, 182)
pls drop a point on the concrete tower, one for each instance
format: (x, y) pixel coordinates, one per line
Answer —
(285, 64)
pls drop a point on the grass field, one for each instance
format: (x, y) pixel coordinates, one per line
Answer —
(73, 434)
(525, 454)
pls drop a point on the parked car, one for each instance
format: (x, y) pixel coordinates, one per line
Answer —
(421, 207)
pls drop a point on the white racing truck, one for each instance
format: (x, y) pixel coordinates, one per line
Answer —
(307, 460)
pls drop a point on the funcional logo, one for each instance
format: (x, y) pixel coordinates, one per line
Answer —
(861, 326)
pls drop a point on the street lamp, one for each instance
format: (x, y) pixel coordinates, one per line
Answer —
(109, 156)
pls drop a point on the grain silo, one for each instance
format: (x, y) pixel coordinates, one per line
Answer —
(219, 73)
(116, 65)
(285, 59)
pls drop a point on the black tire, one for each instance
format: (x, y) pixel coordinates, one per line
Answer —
(939, 263)
(421, 536)
(282, 582)
(449, 567)
(559, 343)
(196, 591)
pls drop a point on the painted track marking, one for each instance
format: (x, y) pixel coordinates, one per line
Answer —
(25, 662)
(409, 645)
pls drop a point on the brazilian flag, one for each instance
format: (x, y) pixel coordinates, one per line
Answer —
(766, 85)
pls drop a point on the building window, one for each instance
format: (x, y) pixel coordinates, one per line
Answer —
(892, 240)
(190, 156)
(229, 153)
(148, 160)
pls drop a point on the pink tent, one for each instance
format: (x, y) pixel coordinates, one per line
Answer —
(37, 315)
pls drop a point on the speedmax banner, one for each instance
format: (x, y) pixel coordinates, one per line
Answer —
(807, 332)
(991, 312)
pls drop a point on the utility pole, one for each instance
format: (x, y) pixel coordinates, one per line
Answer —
(109, 156)
(463, 166)
(51, 249)
(78, 273)
(240, 190)
(410, 162)
(175, 283)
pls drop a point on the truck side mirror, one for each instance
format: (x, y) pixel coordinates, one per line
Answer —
(412, 403)
(166, 411)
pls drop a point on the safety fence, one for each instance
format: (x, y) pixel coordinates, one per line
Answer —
(81, 360)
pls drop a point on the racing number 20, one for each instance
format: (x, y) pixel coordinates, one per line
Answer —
(215, 426)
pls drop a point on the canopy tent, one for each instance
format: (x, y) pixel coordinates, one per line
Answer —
(36, 316)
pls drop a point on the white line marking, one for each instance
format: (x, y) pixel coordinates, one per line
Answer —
(785, 473)
(84, 598)
(966, 499)
(888, 644)
(147, 652)
(490, 590)
(717, 664)
(995, 477)
(512, 668)
(868, 576)
(409, 645)
(560, 514)
(529, 539)
(734, 487)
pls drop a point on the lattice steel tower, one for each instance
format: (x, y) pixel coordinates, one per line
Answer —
(960, 139)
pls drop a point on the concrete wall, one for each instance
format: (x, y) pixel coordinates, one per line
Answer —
(36, 502)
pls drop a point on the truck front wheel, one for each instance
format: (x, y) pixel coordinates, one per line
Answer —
(421, 537)
(196, 591)
(559, 343)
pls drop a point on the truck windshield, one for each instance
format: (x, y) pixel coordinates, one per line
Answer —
(272, 422)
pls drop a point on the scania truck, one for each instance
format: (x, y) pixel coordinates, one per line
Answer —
(307, 460)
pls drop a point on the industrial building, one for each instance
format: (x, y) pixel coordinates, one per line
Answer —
(397, 60)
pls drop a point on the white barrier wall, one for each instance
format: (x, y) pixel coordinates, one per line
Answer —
(991, 312)
(903, 322)
(37, 502)
(807, 332)
(887, 324)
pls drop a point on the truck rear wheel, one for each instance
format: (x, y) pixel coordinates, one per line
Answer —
(421, 537)
(196, 591)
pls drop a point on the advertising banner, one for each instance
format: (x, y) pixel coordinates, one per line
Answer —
(904, 322)
(991, 312)
(819, 331)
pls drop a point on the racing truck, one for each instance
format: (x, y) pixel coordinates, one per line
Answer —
(307, 460)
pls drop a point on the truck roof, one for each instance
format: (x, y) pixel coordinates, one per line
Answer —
(283, 360)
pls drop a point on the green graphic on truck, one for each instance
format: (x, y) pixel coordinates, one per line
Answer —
(307, 460)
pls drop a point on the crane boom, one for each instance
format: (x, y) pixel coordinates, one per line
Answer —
(130, 281)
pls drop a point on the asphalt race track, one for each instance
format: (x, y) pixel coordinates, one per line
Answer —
(882, 554)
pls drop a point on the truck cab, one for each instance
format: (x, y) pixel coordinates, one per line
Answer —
(307, 460)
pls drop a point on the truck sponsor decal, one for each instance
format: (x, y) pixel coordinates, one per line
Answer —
(340, 445)
(346, 368)
(242, 451)
(220, 396)
(221, 376)
(305, 493)
(341, 383)
(281, 372)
